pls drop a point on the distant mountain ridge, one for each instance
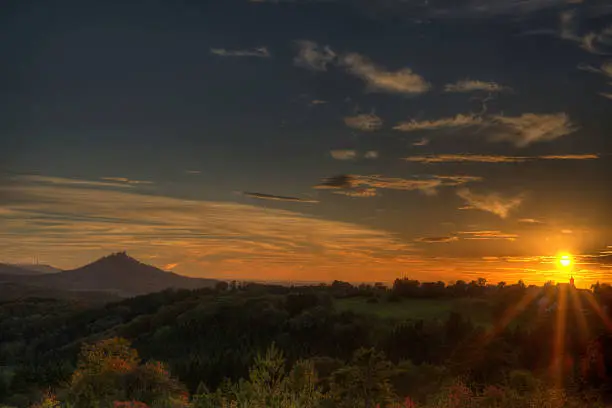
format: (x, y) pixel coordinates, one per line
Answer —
(40, 268)
(117, 273)
(10, 269)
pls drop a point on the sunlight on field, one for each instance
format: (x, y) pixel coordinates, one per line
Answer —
(477, 310)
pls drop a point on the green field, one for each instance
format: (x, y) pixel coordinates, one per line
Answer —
(478, 310)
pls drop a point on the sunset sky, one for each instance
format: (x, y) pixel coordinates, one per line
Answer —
(308, 140)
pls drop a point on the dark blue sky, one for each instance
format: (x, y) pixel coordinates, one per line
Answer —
(466, 129)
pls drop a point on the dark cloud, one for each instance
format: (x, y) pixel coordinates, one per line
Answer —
(365, 186)
(340, 181)
(271, 197)
(481, 158)
(261, 52)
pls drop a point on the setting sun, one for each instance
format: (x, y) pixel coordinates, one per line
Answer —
(565, 260)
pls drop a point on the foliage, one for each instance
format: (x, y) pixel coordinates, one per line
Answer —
(110, 371)
(333, 346)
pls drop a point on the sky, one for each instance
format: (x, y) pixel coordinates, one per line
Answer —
(310, 140)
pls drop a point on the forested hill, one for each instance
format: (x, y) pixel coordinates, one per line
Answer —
(207, 335)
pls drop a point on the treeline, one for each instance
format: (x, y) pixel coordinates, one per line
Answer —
(212, 337)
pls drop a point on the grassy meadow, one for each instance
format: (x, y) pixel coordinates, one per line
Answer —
(477, 310)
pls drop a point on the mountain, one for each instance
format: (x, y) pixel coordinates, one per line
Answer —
(118, 273)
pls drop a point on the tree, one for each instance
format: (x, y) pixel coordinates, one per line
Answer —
(269, 386)
(364, 382)
(109, 371)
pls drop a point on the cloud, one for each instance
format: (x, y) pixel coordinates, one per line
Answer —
(530, 128)
(427, 185)
(358, 192)
(479, 158)
(261, 196)
(487, 235)
(421, 142)
(311, 56)
(568, 25)
(520, 130)
(569, 157)
(70, 225)
(366, 122)
(339, 181)
(452, 122)
(318, 102)
(350, 154)
(261, 52)
(606, 95)
(125, 180)
(464, 9)
(437, 240)
(344, 154)
(468, 85)
(490, 202)
(193, 171)
(591, 43)
(464, 158)
(60, 181)
(378, 79)
(530, 221)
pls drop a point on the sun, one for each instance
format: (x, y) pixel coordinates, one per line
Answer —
(565, 260)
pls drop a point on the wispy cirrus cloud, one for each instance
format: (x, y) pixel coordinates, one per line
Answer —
(314, 57)
(379, 79)
(344, 154)
(260, 52)
(464, 158)
(427, 185)
(70, 224)
(530, 128)
(62, 181)
(458, 121)
(125, 180)
(376, 77)
(421, 142)
(437, 240)
(360, 192)
(490, 202)
(531, 221)
(270, 197)
(350, 154)
(415, 9)
(366, 122)
(480, 158)
(469, 85)
(487, 235)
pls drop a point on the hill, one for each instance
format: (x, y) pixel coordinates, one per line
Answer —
(118, 274)
(40, 268)
(9, 269)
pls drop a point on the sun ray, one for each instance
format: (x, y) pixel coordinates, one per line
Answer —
(578, 310)
(559, 340)
(512, 312)
(597, 308)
